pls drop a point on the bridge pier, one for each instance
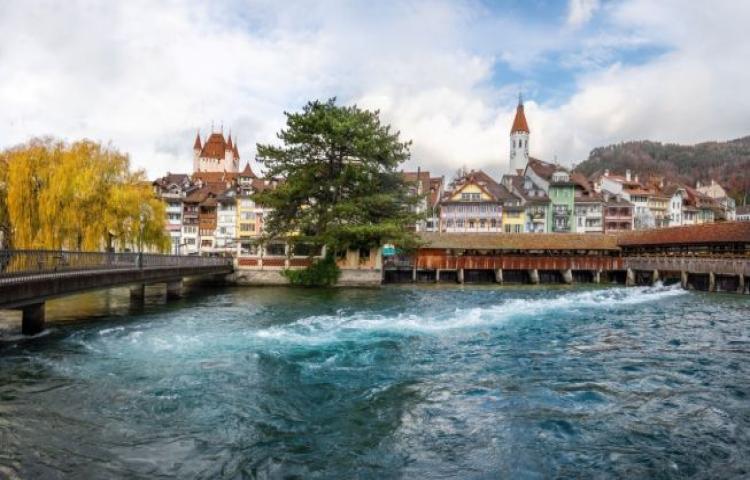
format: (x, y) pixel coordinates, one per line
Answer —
(137, 293)
(711, 282)
(499, 275)
(567, 276)
(684, 280)
(741, 283)
(460, 275)
(534, 276)
(174, 289)
(597, 277)
(654, 277)
(437, 275)
(414, 275)
(32, 319)
(630, 278)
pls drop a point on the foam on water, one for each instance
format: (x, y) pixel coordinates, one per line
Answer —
(326, 328)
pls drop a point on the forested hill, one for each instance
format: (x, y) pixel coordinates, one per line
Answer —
(726, 162)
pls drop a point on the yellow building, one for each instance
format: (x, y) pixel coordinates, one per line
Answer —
(513, 218)
(474, 204)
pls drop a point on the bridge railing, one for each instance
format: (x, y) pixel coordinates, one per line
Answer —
(19, 264)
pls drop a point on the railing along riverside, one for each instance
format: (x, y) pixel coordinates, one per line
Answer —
(17, 265)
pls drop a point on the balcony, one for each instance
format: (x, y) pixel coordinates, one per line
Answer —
(561, 210)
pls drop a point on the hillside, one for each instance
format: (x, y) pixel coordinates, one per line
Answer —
(726, 162)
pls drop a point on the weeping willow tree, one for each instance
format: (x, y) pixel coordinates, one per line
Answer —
(80, 196)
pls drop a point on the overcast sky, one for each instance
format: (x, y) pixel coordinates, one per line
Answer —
(146, 75)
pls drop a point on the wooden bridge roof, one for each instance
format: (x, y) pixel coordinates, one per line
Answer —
(520, 241)
(708, 233)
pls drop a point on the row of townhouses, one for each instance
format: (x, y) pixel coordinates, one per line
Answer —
(544, 197)
(212, 211)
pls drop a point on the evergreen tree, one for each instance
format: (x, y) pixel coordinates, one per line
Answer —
(339, 186)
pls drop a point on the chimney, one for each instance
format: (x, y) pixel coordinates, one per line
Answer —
(636, 178)
(627, 175)
(606, 172)
(698, 184)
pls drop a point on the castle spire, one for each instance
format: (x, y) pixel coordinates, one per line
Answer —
(197, 144)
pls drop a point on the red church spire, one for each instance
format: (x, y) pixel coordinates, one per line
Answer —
(519, 123)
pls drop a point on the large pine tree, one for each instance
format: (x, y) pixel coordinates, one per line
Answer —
(339, 184)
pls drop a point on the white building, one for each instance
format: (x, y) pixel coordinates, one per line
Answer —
(717, 192)
(225, 238)
(677, 196)
(172, 189)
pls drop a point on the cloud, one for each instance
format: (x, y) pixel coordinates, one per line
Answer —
(146, 75)
(581, 11)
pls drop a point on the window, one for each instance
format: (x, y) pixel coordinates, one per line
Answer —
(517, 228)
(507, 229)
(247, 227)
(364, 254)
(276, 249)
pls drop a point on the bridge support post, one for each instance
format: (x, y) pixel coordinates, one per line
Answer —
(32, 319)
(414, 275)
(460, 275)
(711, 282)
(437, 275)
(684, 280)
(174, 289)
(138, 293)
(654, 277)
(741, 283)
(567, 276)
(499, 275)
(629, 278)
(534, 276)
(597, 276)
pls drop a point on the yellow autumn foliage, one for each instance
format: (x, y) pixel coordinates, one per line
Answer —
(78, 196)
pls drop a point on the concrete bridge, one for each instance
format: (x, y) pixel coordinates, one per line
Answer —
(30, 277)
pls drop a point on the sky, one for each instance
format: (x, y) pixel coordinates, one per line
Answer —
(147, 75)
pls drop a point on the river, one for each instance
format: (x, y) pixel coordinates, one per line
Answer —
(402, 381)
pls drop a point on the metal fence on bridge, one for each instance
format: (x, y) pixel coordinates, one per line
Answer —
(18, 265)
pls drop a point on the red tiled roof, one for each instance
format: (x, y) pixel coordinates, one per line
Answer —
(215, 146)
(519, 123)
(728, 232)
(542, 168)
(421, 177)
(436, 184)
(247, 171)
(520, 241)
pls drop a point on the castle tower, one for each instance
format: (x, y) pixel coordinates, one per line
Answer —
(216, 154)
(519, 140)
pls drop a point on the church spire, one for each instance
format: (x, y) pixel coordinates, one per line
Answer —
(519, 139)
(519, 123)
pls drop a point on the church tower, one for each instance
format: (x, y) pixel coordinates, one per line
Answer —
(519, 140)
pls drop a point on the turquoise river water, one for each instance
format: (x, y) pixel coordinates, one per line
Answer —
(397, 382)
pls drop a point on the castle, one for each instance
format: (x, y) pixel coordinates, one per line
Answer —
(216, 154)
